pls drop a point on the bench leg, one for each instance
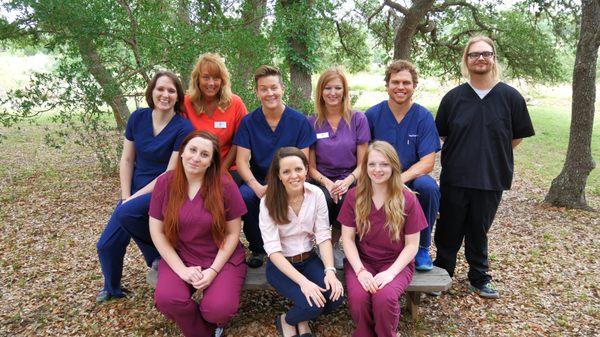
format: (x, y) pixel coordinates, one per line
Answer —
(413, 300)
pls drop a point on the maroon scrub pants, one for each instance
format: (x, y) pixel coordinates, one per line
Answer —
(218, 305)
(375, 315)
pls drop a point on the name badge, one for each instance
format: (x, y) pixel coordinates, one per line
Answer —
(220, 125)
(322, 135)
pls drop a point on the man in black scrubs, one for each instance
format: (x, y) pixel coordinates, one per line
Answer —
(481, 122)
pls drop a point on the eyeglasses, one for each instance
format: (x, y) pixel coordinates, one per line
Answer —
(476, 55)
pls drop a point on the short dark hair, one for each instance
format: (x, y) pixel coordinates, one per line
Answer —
(399, 65)
(264, 71)
(178, 87)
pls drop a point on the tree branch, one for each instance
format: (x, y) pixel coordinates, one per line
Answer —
(133, 41)
(374, 13)
(396, 6)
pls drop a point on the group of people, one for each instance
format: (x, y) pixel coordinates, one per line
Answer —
(195, 166)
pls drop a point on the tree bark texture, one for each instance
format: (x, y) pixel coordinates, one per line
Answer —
(404, 32)
(253, 13)
(111, 91)
(183, 14)
(300, 75)
(568, 188)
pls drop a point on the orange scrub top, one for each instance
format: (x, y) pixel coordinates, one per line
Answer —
(223, 123)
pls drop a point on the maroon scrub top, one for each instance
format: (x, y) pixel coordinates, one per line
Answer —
(377, 247)
(196, 246)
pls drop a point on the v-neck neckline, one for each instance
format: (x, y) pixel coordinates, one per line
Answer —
(266, 122)
(374, 205)
(164, 127)
(334, 132)
(476, 95)
(393, 117)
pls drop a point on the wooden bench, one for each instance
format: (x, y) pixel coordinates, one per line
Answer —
(422, 282)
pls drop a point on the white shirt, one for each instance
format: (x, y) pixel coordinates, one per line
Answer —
(296, 237)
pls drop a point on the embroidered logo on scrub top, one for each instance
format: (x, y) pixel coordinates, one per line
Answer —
(411, 137)
(220, 125)
(322, 135)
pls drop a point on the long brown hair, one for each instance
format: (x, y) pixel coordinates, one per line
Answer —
(394, 204)
(215, 65)
(276, 198)
(210, 191)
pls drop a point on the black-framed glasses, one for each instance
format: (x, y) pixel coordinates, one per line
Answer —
(476, 55)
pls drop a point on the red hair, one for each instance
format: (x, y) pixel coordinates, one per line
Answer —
(210, 191)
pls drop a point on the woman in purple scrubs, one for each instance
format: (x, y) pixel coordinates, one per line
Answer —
(342, 137)
(379, 266)
(195, 223)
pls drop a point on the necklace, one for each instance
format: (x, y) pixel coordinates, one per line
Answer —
(296, 201)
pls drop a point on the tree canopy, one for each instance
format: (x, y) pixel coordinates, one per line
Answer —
(107, 50)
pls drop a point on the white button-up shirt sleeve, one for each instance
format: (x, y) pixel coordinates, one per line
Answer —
(322, 227)
(268, 230)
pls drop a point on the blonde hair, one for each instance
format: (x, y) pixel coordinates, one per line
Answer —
(215, 65)
(463, 63)
(394, 204)
(327, 76)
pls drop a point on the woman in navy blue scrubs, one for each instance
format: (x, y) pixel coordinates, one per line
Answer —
(152, 139)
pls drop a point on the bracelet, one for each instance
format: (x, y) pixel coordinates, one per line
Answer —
(353, 176)
(213, 269)
(330, 269)
(361, 270)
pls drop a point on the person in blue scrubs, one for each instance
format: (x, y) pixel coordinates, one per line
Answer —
(262, 132)
(152, 139)
(410, 128)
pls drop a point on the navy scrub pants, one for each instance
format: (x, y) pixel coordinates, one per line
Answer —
(114, 240)
(251, 227)
(428, 194)
(466, 213)
(301, 311)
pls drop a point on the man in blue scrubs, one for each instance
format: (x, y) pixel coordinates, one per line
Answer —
(262, 132)
(410, 128)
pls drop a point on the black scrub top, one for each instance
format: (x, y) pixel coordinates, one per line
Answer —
(477, 152)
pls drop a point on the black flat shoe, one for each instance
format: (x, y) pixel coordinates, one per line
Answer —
(104, 296)
(279, 327)
(256, 260)
(306, 334)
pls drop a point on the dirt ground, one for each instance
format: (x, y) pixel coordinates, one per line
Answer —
(54, 204)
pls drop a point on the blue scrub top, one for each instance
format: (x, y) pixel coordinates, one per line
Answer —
(255, 134)
(152, 153)
(413, 138)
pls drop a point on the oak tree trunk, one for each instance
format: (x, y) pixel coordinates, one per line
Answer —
(406, 29)
(253, 13)
(111, 92)
(568, 188)
(300, 75)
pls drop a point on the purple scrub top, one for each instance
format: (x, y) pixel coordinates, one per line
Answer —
(336, 151)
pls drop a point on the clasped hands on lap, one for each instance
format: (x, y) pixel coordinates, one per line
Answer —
(197, 277)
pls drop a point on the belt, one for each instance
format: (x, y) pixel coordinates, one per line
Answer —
(300, 257)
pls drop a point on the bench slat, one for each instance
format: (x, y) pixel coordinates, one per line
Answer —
(434, 280)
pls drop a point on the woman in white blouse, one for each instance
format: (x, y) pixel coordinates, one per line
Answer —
(293, 215)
